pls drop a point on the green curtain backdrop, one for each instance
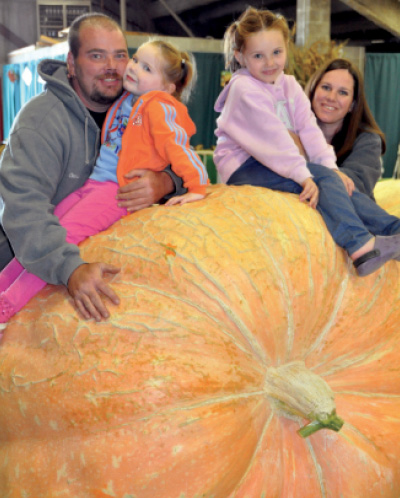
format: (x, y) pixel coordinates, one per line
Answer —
(204, 95)
(382, 82)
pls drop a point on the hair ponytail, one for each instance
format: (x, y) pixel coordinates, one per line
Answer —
(230, 44)
(178, 68)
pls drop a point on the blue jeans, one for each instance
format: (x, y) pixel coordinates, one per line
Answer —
(350, 219)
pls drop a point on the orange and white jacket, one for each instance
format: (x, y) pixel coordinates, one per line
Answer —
(157, 134)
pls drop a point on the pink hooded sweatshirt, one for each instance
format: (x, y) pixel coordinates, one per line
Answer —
(254, 121)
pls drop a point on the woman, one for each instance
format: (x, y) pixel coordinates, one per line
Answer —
(337, 96)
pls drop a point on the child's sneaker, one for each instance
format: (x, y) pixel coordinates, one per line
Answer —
(385, 249)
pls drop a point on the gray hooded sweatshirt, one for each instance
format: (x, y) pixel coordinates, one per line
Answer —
(51, 152)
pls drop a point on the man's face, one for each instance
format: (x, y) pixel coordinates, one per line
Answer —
(99, 68)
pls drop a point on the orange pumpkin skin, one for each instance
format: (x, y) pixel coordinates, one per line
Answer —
(167, 399)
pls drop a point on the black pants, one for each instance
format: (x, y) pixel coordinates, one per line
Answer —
(6, 252)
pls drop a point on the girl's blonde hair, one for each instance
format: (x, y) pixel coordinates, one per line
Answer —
(250, 22)
(178, 68)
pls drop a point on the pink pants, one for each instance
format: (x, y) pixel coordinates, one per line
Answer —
(85, 212)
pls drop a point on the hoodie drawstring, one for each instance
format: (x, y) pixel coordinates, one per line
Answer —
(87, 148)
(86, 140)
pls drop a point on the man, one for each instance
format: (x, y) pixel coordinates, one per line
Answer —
(51, 151)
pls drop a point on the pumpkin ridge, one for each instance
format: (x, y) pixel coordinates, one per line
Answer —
(317, 467)
(367, 357)
(218, 400)
(351, 428)
(257, 448)
(236, 320)
(302, 239)
(371, 394)
(289, 315)
(331, 320)
(240, 325)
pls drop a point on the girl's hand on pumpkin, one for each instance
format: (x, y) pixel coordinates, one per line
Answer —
(185, 198)
(310, 193)
(144, 189)
(87, 286)
(348, 182)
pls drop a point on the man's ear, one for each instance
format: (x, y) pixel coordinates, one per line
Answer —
(70, 65)
(239, 57)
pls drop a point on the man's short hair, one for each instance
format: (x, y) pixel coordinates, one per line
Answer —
(95, 19)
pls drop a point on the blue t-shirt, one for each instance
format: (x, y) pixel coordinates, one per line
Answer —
(105, 168)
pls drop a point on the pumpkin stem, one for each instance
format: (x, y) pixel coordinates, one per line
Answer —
(332, 422)
(295, 391)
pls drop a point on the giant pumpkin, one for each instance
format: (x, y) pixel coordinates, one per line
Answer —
(240, 323)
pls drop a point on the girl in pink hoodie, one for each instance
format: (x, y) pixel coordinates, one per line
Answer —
(262, 109)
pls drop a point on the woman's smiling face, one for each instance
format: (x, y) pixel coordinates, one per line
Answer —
(333, 97)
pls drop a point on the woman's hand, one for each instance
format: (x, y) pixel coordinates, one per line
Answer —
(348, 182)
(147, 188)
(310, 193)
(86, 286)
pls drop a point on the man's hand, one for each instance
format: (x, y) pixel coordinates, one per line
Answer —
(348, 182)
(146, 188)
(310, 193)
(86, 286)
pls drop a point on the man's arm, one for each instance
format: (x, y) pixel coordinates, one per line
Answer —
(38, 236)
(149, 188)
(30, 173)
(178, 188)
